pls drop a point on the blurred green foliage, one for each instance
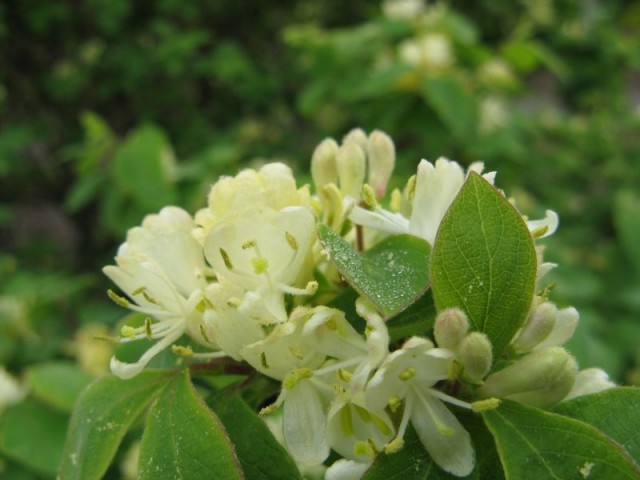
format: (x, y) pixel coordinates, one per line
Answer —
(110, 110)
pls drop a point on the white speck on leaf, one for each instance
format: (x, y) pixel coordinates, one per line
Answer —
(585, 470)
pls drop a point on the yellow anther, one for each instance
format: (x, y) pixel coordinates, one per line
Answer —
(226, 259)
(407, 374)
(147, 327)
(128, 331)
(182, 351)
(149, 298)
(394, 445)
(117, 299)
(394, 403)
(345, 375)
(249, 244)
(484, 405)
(296, 351)
(291, 240)
(263, 360)
(369, 196)
(139, 290)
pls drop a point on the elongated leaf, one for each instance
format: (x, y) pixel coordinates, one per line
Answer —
(184, 439)
(484, 262)
(392, 275)
(101, 417)
(32, 434)
(246, 429)
(615, 412)
(533, 443)
(58, 383)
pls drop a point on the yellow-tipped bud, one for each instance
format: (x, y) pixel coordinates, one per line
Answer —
(540, 379)
(450, 328)
(475, 353)
(323, 163)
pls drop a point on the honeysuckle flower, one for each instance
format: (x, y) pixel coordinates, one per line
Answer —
(432, 52)
(265, 252)
(545, 327)
(408, 375)
(436, 186)
(590, 380)
(273, 186)
(161, 269)
(354, 430)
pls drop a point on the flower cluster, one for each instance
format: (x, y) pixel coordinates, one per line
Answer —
(247, 278)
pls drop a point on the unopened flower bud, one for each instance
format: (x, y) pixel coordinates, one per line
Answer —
(590, 380)
(351, 169)
(475, 353)
(450, 328)
(540, 379)
(537, 327)
(357, 136)
(323, 163)
(382, 159)
(564, 327)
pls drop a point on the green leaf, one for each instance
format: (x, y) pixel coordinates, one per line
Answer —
(144, 168)
(33, 434)
(101, 417)
(533, 443)
(627, 219)
(246, 429)
(417, 319)
(183, 438)
(392, 274)
(58, 383)
(484, 262)
(454, 104)
(615, 412)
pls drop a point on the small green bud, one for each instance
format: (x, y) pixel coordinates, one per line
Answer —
(476, 354)
(382, 159)
(538, 326)
(540, 379)
(323, 163)
(351, 164)
(450, 328)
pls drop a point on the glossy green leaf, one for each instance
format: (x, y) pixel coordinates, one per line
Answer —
(417, 319)
(184, 439)
(453, 102)
(102, 415)
(484, 262)
(615, 412)
(392, 275)
(33, 434)
(58, 383)
(246, 429)
(533, 443)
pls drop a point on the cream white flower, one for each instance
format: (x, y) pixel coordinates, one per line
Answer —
(433, 52)
(265, 252)
(436, 186)
(408, 375)
(344, 469)
(161, 268)
(273, 186)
